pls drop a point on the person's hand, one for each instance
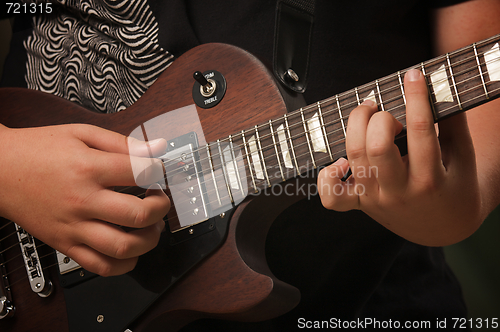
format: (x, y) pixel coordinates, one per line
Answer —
(57, 183)
(431, 196)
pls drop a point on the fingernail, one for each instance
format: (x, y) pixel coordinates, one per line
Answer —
(369, 102)
(340, 162)
(155, 141)
(155, 186)
(413, 75)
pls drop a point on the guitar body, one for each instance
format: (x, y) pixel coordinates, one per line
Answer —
(229, 281)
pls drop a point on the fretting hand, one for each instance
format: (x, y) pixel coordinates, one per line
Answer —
(431, 196)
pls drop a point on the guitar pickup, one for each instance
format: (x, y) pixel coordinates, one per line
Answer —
(185, 181)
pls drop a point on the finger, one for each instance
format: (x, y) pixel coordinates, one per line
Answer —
(101, 139)
(456, 144)
(114, 242)
(150, 149)
(386, 164)
(423, 147)
(356, 138)
(336, 194)
(106, 140)
(128, 210)
(147, 171)
(114, 169)
(98, 263)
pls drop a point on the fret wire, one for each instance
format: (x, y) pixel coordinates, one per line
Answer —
(379, 96)
(388, 110)
(307, 137)
(340, 114)
(342, 117)
(401, 116)
(402, 87)
(463, 72)
(236, 165)
(480, 71)
(398, 106)
(262, 156)
(224, 172)
(324, 131)
(357, 96)
(390, 77)
(471, 99)
(289, 135)
(248, 160)
(465, 60)
(453, 81)
(276, 149)
(423, 68)
(291, 144)
(427, 82)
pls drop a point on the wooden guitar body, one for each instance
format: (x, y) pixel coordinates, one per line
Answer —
(230, 279)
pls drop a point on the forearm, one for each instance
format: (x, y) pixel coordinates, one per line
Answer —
(458, 26)
(484, 126)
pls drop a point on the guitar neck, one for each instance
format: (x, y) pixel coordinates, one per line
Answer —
(315, 135)
(286, 147)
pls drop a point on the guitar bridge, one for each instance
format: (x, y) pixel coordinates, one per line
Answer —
(7, 308)
(32, 264)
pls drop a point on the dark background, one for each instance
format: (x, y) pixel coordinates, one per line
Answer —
(476, 260)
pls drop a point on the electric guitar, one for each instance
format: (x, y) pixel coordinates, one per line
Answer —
(234, 155)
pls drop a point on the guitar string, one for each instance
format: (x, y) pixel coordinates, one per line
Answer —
(56, 263)
(15, 245)
(9, 235)
(41, 257)
(346, 117)
(306, 153)
(274, 145)
(466, 91)
(381, 81)
(208, 193)
(2, 227)
(335, 142)
(12, 270)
